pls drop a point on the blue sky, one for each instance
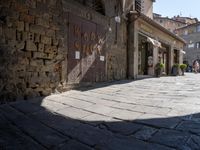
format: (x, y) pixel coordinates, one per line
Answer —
(170, 8)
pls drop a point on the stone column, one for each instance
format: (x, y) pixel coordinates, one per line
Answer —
(180, 57)
(135, 67)
(133, 50)
(130, 50)
(155, 58)
(171, 58)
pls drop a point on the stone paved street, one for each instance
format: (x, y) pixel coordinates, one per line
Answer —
(149, 114)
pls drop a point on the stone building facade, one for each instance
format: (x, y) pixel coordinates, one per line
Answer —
(175, 22)
(150, 43)
(54, 45)
(191, 34)
(186, 20)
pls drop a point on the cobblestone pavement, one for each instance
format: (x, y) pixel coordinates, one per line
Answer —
(149, 114)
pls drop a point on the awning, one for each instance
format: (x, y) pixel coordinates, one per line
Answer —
(182, 51)
(154, 42)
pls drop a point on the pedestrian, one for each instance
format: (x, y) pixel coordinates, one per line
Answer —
(196, 66)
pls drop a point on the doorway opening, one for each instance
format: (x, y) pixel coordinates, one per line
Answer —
(145, 56)
(163, 57)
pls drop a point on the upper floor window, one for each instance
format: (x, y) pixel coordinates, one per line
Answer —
(198, 45)
(191, 30)
(96, 5)
(138, 6)
(191, 45)
(198, 28)
(186, 32)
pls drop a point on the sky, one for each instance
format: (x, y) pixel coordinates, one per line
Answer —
(170, 8)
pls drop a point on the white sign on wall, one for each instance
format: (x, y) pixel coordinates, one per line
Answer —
(77, 55)
(102, 58)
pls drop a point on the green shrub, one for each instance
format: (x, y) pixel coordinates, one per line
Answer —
(176, 65)
(183, 66)
(159, 65)
(162, 65)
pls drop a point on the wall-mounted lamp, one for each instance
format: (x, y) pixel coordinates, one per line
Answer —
(118, 19)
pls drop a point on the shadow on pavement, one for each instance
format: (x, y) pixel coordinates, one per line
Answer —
(28, 125)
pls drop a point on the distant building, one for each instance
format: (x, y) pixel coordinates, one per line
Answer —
(191, 34)
(169, 23)
(174, 23)
(157, 15)
(186, 20)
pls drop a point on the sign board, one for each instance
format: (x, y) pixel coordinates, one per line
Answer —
(102, 58)
(77, 55)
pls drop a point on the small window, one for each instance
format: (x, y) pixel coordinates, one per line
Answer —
(191, 45)
(138, 6)
(190, 31)
(161, 21)
(96, 5)
(198, 28)
(198, 45)
(186, 32)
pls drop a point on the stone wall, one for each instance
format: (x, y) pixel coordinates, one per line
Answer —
(192, 53)
(34, 45)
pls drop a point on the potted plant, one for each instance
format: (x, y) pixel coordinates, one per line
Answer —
(183, 67)
(158, 69)
(175, 69)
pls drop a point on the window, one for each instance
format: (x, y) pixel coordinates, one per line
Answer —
(191, 45)
(186, 32)
(190, 31)
(138, 6)
(198, 45)
(161, 21)
(96, 5)
(198, 28)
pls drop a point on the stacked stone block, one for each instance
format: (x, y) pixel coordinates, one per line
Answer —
(29, 46)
